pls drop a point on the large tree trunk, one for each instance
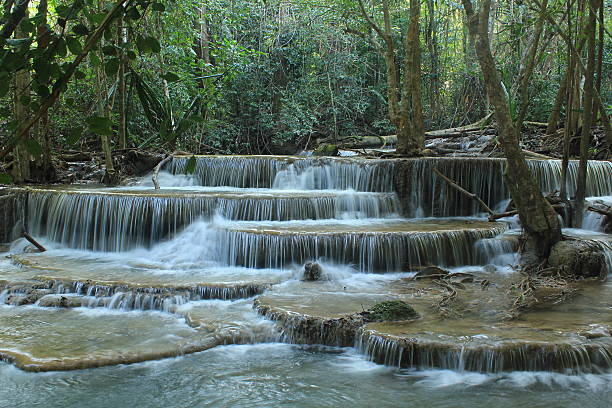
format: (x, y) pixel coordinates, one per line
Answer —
(585, 139)
(121, 101)
(537, 216)
(388, 52)
(21, 158)
(431, 37)
(411, 135)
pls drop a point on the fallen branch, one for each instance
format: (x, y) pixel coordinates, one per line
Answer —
(494, 217)
(464, 191)
(157, 168)
(34, 242)
(535, 155)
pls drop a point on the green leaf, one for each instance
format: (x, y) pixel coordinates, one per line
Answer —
(133, 13)
(141, 44)
(170, 77)
(152, 44)
(62, 11)
(158, 7)
(4, 88)
(191, 165)
(75, 135)
(100, 125)
(25, 100)
(96, 18)
(80, 29)
(109, 34)
(79, 75)
(27, 26)
(5, 178)
(61, 48)
(94, 59)
(197, 119)
(33, 147)
(42, 91)
(74, 45)
(131, 55)
(111, 66)
(109, 50)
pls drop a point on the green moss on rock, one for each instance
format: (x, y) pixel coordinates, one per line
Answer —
(392, 310)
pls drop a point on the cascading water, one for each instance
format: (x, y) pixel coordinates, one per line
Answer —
(200, 248)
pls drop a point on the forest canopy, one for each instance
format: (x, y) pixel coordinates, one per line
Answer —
(264, 77)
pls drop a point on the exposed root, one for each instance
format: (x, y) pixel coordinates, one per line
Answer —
(540, 286)
(444, 306)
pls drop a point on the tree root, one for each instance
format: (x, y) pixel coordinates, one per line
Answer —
(540, 286)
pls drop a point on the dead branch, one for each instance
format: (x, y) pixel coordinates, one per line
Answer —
(157, 168)
(464, 191)
(34, 242)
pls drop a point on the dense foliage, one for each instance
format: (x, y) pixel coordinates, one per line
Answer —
(256, 76)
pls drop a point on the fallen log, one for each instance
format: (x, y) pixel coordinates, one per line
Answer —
(459, 131)
(535, 155)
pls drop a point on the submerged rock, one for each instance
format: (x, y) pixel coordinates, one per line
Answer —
(431, 272)
(392, 310)
(581, 259)
(60, 301)
(312, 271)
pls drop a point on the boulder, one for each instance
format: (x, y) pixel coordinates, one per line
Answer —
(312, 271)
(326, 149)
(431, 272)
(581, 259)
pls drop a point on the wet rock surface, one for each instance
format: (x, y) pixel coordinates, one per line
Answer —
(312, 271)
(579, 258)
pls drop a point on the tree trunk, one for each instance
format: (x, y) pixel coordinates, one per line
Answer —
(431, 37)
(393, 82)
(537, 216)
(122, 131)
(411, 135)
(21, 158)
(393, 86)
(585, 139)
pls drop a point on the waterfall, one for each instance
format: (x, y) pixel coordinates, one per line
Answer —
(370, 252)
(423, 193)
(120, 220)
(587, 357)
(286, 172)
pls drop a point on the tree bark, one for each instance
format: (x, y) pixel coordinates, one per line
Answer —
(21, 157)
(411, 135)
(585, 139)
(122, 131)
(537, 216)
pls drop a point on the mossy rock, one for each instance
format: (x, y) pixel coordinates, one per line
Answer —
(326, 149)
(392, 310)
